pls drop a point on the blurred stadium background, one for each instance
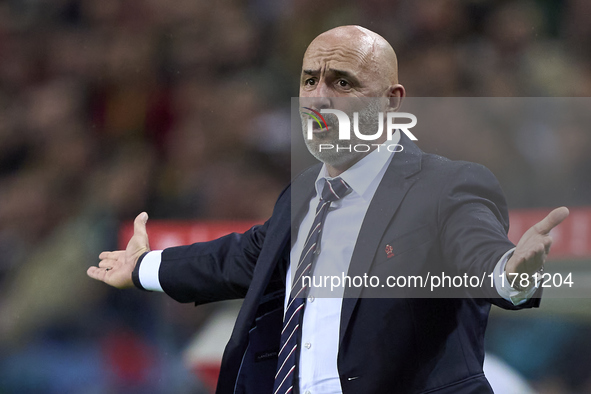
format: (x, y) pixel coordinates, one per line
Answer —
(111, 107)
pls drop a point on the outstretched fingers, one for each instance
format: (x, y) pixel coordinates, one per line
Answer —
(534, 246)
(553, 219)
(107, 263)
(111, 255)
(116, 268)
(97, 273)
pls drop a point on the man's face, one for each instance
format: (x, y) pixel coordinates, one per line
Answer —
(340, 73)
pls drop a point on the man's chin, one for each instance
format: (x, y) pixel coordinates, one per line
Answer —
(330, 155)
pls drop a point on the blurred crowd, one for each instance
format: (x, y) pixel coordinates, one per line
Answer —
(181, 109)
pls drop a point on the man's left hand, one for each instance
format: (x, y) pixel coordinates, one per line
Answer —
(533, 247)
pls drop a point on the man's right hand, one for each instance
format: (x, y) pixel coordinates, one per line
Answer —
(115, 268)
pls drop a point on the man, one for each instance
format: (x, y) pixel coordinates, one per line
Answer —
(430, 212)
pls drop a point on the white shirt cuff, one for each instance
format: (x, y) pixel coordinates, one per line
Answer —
(148, 273)
(503, 286)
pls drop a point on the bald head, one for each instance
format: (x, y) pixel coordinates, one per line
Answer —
(372, 52)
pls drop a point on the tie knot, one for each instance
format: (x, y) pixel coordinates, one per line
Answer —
(335, 189)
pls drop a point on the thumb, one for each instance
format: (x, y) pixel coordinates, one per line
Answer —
(139, 224)
(553, 219)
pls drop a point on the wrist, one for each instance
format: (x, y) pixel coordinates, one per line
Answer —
(516, 278)
(135, 275)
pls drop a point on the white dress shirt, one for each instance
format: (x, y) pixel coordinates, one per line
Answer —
(321, 321)
(320, 328)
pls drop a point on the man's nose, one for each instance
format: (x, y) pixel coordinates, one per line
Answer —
(318, 98)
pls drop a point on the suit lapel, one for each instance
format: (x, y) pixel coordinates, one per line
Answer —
(395, 184)
(302, 190)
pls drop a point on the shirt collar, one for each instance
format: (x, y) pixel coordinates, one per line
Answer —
(361, 174)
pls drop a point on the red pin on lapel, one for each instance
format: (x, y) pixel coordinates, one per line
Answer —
(389, 251)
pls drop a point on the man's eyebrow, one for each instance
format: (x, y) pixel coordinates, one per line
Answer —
(335, 72)
(343, 73)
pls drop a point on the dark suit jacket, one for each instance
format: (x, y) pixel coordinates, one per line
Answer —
(437, 214)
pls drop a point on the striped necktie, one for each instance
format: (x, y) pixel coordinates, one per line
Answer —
(334, 189)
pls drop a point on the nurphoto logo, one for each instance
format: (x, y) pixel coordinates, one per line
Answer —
(345, 124)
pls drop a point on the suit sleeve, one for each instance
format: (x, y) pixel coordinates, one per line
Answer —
(212, 271)
(474, 222)
(217, 270)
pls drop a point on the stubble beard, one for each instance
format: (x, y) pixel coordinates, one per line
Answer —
(343, 153)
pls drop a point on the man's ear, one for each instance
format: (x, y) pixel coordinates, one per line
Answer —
(395, 94)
